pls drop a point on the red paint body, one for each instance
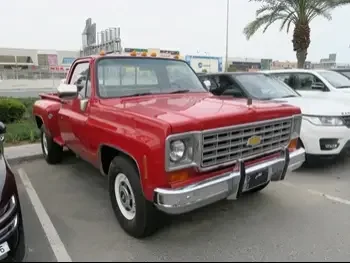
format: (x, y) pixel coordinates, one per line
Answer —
(140, 125)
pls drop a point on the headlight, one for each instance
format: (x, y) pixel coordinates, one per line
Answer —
(177, 150)
(296, 127)
(180, 151)
(324, 120)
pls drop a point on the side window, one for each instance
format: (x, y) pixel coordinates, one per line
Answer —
(286, 78)
(79, 73)
(228, 87)
(81, 78)
(307, 82)
(213, 84)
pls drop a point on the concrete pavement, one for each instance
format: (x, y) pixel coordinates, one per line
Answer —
(304, 218)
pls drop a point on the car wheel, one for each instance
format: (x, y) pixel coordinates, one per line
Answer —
(136, 215)
(52, 152)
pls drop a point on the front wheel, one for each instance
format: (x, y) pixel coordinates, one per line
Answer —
(136, 215)
(52, 152)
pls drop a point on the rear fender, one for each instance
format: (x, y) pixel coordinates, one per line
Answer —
(46, 113)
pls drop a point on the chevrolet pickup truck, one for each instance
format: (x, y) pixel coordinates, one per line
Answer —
(164, 142)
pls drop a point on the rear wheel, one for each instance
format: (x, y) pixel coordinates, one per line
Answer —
(136, 215)
(52, 152)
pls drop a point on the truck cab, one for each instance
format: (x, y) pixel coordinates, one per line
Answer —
(163, 141)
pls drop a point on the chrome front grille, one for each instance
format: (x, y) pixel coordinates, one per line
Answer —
(228, 144)
(346, 120)
(8, 220)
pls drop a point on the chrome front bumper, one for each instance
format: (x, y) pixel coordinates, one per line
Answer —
(228, 185)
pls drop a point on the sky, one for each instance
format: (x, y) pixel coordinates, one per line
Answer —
(190, 26)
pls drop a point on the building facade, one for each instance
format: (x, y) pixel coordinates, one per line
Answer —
(56, 60)
(207, 64)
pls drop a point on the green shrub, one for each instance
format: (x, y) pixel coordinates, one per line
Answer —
(11, 110)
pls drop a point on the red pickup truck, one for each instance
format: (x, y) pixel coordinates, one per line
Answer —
(164, 142)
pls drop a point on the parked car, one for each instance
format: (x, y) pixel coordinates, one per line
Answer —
(163, 141)
(315, 83)
(325, 126)
(343, 71)
(12, 242)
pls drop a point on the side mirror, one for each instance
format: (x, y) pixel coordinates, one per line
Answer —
(318, 86)
(2, 137)
(67, 91)
(2, 128)
(207, 84)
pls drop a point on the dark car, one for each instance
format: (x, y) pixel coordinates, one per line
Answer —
(12, 243)
(343, 71)
(246, 85)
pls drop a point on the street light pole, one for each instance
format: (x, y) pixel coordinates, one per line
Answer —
(227, 26)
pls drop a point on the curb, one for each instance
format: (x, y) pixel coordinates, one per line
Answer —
(21, 153)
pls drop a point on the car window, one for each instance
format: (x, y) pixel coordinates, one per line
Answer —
(79, 73)
(306, 82)
(226, 86)
(346, 73)
(213, 84)
(119, 77)
(336, 79)
(285, 77)
(264, 87)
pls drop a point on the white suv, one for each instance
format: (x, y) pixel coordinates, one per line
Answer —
(315, 83)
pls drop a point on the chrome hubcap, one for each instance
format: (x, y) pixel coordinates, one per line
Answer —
(45, 144)
(125, 196)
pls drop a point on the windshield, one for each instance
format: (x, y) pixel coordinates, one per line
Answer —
(336, 79)
(120, 77)
(265, 87)
(346, 73)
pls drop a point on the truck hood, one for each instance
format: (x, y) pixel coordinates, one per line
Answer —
(317, 106)
(200, 111)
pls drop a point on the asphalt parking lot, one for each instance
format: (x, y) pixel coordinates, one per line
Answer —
(67, 215)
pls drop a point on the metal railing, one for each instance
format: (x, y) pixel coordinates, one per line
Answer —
(29, 74)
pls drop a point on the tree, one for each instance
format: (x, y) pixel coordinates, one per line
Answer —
(297, 12)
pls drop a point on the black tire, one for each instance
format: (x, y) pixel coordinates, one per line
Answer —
(259, 188)
(54, 152)
(145, 221)
(311, 161)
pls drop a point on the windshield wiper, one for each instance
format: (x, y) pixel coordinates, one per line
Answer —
(180, 91)
(288, 96)
(343, 87)
(137, 94)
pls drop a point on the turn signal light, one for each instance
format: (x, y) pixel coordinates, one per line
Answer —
(177, 57)
(293, 144)
(179, 176)
(133, 54)
(102, 53)
(154, 54)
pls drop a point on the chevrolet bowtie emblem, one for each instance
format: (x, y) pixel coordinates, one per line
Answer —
(254, 140)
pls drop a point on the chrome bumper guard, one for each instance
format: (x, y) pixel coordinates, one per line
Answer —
(228, 185)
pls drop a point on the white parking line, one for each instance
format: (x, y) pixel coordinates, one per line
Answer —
(54, 239)
(318, 193)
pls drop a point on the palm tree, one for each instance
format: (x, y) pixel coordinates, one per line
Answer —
(297, 12)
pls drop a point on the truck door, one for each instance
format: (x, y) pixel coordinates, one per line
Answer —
(74, 112)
